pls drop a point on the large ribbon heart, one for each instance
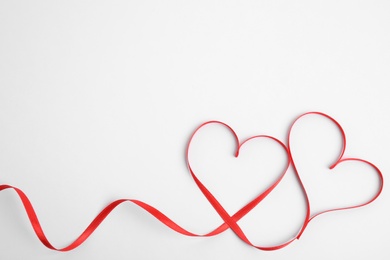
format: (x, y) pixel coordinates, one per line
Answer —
(231, 221)
(340, 160)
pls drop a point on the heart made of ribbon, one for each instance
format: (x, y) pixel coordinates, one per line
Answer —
(340, 160)
(253, 203)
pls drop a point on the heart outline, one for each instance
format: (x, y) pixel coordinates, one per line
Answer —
(231, 221)
(339, 160)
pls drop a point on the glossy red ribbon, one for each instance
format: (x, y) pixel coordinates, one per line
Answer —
(230, 221)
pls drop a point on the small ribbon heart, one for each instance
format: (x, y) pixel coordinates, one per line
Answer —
(340, 160)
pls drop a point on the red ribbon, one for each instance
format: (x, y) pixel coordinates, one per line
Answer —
(229, 221)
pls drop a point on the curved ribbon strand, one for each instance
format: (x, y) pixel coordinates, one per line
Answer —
(229, 221)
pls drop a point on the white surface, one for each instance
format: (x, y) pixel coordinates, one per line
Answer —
(98, 99)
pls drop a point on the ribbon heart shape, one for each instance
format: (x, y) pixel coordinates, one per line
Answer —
(230, 221)
(340, 160)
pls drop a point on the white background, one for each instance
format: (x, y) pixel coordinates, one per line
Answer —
(98, 100)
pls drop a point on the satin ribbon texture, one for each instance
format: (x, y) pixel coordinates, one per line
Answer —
(229, 221)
